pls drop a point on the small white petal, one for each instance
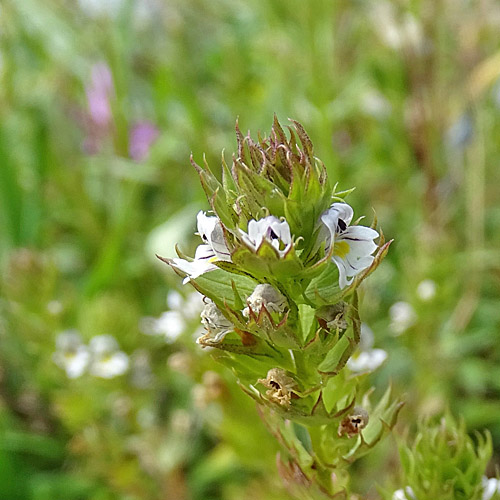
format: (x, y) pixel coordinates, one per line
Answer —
(352, 245)
(404, 494)
(103, 344)
(202, 263)
(490, 487)
(73, 363)
(269, 228)
(399, 495)
(211, 232)
(110, 366)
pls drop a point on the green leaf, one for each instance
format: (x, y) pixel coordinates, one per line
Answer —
(339, 389)
(218, 286)
(307, 321)
(337, 357)
(324, 289)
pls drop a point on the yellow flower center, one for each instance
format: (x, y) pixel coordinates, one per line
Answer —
(341, 248)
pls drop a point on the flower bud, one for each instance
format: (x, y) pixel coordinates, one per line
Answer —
(333, 317)
(266, 296)
(216, 324)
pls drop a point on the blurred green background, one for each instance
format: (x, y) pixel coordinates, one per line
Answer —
(102, 103)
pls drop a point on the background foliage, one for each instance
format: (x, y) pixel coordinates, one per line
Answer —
(401, 99)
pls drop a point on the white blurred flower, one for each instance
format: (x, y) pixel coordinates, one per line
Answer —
(266, 296)
(271, 229)
(426, 290)
(404, 494)
(175, 300)
(367, 337)
(55, 307)
(402, 33)
(192, 305)
(403, 317)
(366, 360)
(101, 8)
(71, 354)
(107, 360)
(490, 487)
(172, 323)
(352, 245)
(373, 103)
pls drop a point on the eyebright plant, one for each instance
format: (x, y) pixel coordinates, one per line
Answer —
(280, 264)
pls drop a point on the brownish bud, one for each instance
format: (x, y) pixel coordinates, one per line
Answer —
(352, 424)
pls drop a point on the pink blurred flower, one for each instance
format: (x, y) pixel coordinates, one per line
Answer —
(99, 92)
(99, 117)
(142, 137)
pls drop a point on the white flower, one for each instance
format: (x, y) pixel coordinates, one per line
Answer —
(404, 494)
(214, 249)
(175, 300)
(373, 103)
(107, 360)
(426, 290)
(172, 323)
(490, 487)
(271, 229)
(101, 8)
(266, 296)
(211, 232)
(71, 354)
(216, 324)
(203, 262)
(368, 359)
(397, 34)
(55, 307)
(352, 245)
(192, 305)
(403, 316)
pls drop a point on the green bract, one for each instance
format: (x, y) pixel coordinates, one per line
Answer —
(280, 265)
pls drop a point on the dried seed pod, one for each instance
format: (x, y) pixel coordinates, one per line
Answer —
(281, 386)
(352, 424)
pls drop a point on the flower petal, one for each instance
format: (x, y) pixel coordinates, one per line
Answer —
(270, 228)
(211, 232)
